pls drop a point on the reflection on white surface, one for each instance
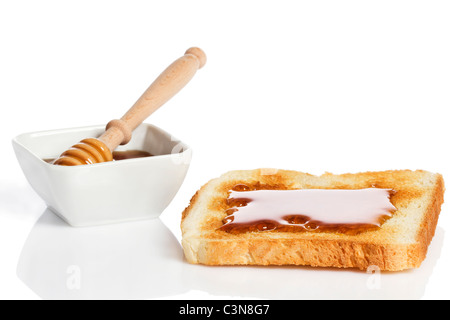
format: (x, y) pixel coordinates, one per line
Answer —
(316, 283)
(143, 260)
(135, 260)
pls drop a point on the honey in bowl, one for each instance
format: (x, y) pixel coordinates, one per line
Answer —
(121, 155)
(130, 154)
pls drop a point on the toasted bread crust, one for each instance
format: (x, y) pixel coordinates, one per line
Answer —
(384, 248)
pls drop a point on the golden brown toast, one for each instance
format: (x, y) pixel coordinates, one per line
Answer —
(401, 242)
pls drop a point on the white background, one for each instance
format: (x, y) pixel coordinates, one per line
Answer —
(314, 86)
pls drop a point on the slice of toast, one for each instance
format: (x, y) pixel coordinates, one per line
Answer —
(401, 242)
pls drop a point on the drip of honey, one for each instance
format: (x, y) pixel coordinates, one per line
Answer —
(327, 210)
(121, 155)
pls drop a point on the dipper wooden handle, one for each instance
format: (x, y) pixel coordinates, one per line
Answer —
(169, 82)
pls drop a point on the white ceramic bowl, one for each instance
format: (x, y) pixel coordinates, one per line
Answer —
(108, 192)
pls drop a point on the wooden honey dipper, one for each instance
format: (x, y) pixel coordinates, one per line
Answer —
(118, 132)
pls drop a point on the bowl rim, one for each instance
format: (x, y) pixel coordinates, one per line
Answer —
(16, 141)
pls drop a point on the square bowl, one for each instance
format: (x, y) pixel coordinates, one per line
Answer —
(109, 192)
